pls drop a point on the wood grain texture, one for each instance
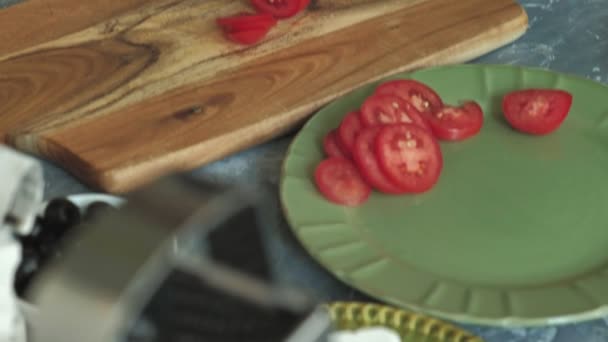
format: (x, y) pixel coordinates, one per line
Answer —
(37, 21)
(181, 44)
(161, 91)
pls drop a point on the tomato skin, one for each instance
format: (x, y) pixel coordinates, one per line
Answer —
(457, 123)
(409, 156)
(278, 8)
(421, 96)
(348, 130)
(537, 111)
(384, 109)
(364, 156)
(247, 37)
(340, 182)
(331, 146)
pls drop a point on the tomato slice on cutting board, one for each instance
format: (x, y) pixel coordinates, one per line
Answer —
(278, 8)
(383, 109)
(304, 4)
(348, 130)
(331, 145)
(246, 21)
(409, 156)
(340, 182)
(457, 123)
(537, 111)
(421, 96)
(365, 157)
(247, 37)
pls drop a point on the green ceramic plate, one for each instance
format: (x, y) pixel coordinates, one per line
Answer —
(410, 326)
(514, 233)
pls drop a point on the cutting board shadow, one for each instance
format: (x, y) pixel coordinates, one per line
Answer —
(130, 91)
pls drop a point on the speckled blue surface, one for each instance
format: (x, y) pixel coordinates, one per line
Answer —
(565, 35)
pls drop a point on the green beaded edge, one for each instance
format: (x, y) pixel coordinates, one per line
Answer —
(355, 315)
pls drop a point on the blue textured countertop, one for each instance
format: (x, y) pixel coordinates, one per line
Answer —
(565, 35)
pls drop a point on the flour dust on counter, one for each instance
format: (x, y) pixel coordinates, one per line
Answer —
(546, 5)
(597, 75)
(531, 53)
(516, 334)
(564, 35)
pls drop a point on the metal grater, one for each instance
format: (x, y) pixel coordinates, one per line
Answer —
(165, 268)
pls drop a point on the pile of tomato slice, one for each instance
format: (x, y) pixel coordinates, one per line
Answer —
(391, 144)
(250, 28)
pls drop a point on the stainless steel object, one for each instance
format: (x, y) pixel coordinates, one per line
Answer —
(117, 265)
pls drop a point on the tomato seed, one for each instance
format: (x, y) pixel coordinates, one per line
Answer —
(538, 107)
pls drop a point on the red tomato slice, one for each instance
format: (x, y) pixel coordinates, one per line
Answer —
(236, 28)
(409, 156)
(248, 37)
(457, 123)
(365, 158)
(380, 109)
(348, 130)
(304, 4)
(246, 21)
(340, 182)
(331, 147)
(421, 96)
(537, 111)
(278, 8)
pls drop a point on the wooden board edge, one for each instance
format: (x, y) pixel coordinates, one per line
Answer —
(131, 177)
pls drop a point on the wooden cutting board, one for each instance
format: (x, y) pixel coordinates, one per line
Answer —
(133, 90)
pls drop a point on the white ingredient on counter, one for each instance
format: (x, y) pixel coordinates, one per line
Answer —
(373, 334)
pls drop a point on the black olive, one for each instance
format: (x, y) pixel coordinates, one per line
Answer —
(60, 215)
(25, 274)
(30, 247)
(35, 253)
(95, 209)
(42, 241)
